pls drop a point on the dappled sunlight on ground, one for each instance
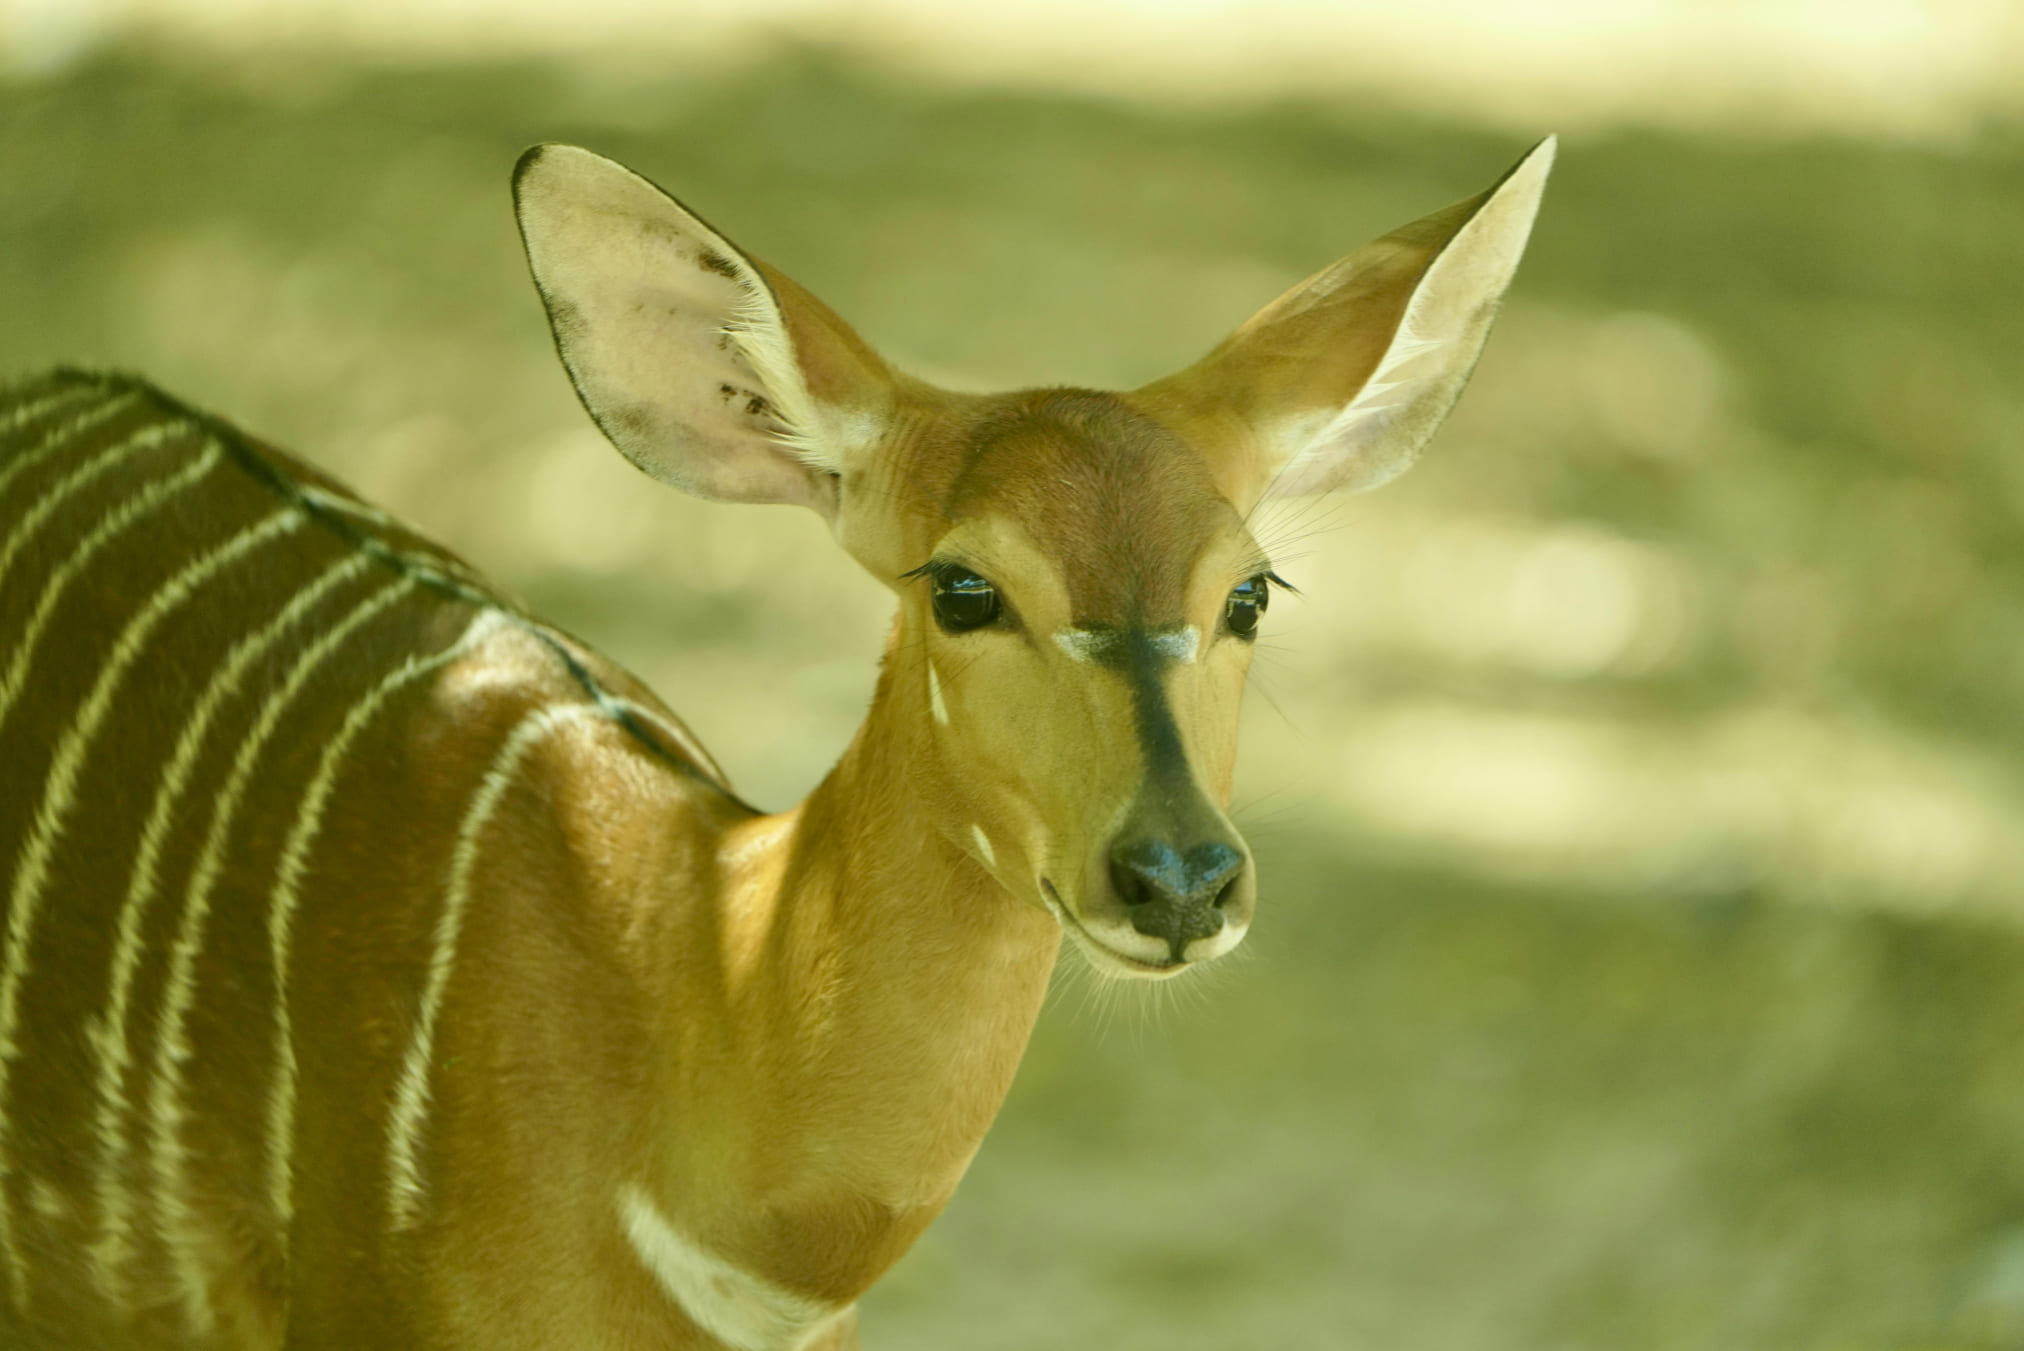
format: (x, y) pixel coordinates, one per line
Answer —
(1916, 69)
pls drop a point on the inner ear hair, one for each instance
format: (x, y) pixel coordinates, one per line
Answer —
(1339, 383)
(705, 367)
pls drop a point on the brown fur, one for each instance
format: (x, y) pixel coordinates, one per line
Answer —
(790, 1033)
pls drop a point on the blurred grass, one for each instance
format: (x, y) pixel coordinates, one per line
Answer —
(1641, 824)
(1425, 1114)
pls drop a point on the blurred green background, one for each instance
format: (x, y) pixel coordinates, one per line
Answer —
(1638, 788)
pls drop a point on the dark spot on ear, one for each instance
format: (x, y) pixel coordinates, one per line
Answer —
(724, 340)
(758, 405)
(727, 392)
(660, 231)
(528, 159)
(719, 264)
(635, 421)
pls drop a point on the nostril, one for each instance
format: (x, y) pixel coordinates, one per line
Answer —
(1229, 890)
(1148, 871)
(1130, 886)
(1175, 895)
(1215, 868)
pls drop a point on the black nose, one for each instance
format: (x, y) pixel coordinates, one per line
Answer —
(1171, 895)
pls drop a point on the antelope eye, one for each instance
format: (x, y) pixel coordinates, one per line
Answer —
(963, 600)
(1246, 604)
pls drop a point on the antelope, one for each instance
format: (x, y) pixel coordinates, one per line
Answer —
(383, 968)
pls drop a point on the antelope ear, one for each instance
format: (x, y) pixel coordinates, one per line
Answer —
(1338, 383)
(708, 369)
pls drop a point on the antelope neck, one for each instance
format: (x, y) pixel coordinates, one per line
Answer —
(878, 987)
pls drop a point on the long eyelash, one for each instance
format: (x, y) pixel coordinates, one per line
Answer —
(935, 566)
(1261, 567)
(939, 569)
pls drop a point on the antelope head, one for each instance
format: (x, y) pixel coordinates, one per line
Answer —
(1079, 588)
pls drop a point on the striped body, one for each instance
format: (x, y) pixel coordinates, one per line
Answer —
(240, 978)
(381, 970)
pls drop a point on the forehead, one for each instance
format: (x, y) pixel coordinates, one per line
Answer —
(1123, 507)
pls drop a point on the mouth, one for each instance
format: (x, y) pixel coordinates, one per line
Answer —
(1102, 956)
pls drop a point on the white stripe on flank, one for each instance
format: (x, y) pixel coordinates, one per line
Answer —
(166, 1156)
(411, 1092)
(109, 1033)
(288, 892)
(46, 506)
(28, 412)
(64, 435)
(116, 521)
(736, 1307)
(60, 795)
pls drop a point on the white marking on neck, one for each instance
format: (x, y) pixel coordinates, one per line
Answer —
(287, 893)
(733, 1305)
(404, 1192)
(984, 846)
(1180, 644)
(59, 796)
(940, 709)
